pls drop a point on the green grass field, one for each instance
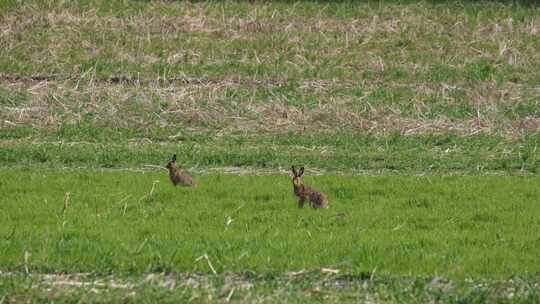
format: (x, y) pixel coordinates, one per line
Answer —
(456, 226)
(131, 224)
(420, 120)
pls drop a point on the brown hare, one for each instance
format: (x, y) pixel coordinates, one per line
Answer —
(177, 176)
(315, 198)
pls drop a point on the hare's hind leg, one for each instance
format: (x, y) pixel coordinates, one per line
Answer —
(318, 202)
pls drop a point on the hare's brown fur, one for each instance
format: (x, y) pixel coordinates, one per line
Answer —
(304, 193)
(177, 176)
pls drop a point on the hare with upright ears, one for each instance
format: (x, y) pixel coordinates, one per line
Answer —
(315, 198)
(177, 176)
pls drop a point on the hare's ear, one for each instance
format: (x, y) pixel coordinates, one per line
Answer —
(294, 171)
(301, 171)
(173, 159)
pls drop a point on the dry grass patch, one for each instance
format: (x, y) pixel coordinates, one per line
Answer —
(253, 106)
(272, 68)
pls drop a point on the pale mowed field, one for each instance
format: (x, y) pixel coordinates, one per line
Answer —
(171, 69)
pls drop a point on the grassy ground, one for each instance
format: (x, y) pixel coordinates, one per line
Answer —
(363, 85)
(400, 229)
(452, 226)
(341, 152)
(162, 69)
(293, 288)
(434, 103)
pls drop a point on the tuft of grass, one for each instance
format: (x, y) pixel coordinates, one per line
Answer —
(11, 98)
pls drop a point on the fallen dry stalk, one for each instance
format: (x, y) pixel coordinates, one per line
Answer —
(66, 203)
(205, 257)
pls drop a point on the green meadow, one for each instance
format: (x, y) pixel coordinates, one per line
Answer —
(419, 120)
(131, 224)
(456, 226)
